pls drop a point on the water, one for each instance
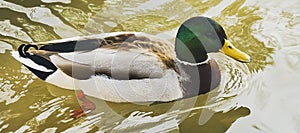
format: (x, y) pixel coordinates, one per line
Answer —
(261, 96)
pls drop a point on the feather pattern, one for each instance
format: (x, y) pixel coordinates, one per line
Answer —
(118, 67)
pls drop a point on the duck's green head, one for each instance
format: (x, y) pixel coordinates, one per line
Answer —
(200, 35)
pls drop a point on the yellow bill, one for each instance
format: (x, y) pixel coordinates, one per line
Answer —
(235, 53)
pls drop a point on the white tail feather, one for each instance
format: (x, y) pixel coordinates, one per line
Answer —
(29, 62)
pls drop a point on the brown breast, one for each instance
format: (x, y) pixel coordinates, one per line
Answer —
(200, 79)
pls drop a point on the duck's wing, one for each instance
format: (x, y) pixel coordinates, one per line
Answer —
(117, 55)
(115, 40)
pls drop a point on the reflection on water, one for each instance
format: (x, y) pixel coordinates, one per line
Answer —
(258, 96)
(240, 21)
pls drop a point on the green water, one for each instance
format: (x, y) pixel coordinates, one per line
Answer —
(261, 96)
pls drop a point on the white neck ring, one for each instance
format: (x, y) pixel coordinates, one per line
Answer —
(194, 64)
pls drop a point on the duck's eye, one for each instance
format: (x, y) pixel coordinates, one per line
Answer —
(230, 47)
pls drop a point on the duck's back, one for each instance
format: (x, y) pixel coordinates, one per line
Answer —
(130, 63)
(120, 56)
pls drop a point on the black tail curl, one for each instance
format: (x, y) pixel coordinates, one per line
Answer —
(23, 49)
(23, 52)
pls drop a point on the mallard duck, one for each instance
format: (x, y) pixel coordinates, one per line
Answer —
(133, 66)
